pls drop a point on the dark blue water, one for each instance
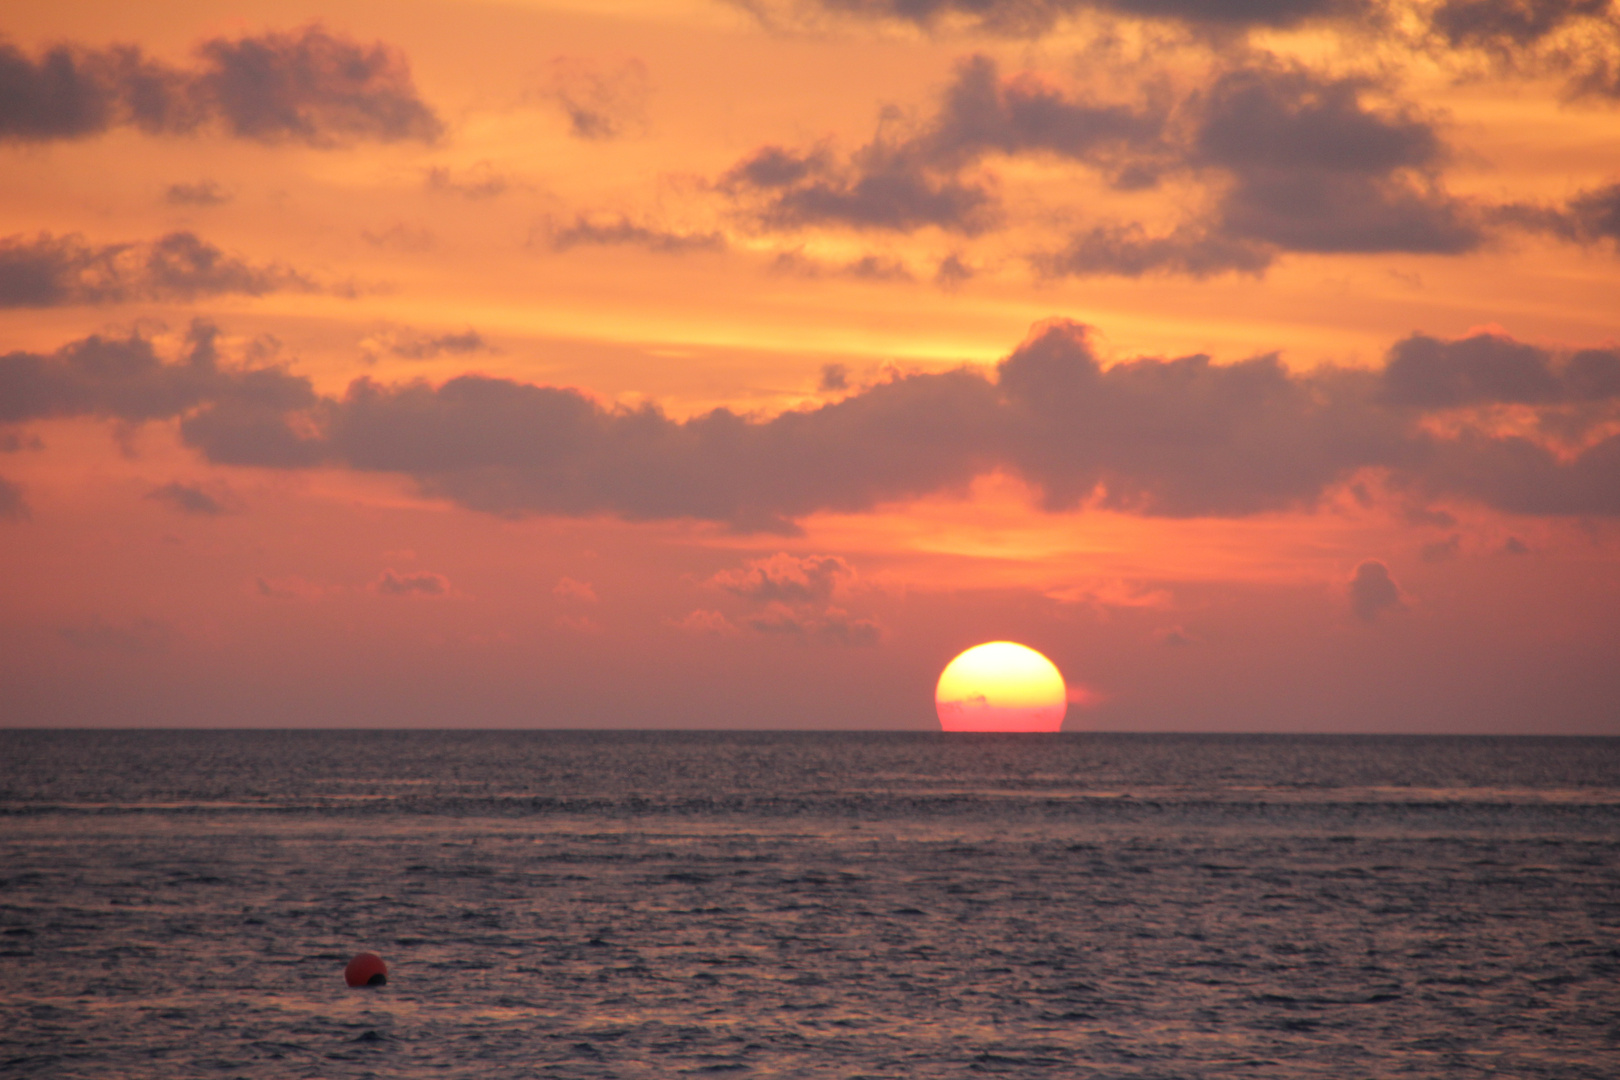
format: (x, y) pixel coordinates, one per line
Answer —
(821, 905)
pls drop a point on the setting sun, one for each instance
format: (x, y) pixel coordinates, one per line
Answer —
(1001, 686)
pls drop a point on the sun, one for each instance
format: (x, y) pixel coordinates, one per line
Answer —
(1001, 686)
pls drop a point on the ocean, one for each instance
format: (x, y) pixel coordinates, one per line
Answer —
(635, 904)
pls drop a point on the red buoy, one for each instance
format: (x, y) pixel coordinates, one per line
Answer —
(366, 969)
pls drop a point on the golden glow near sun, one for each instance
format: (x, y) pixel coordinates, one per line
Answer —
(1001, 686)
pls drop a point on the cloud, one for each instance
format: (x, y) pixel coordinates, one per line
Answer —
(306, 86)
(1180, 437)
(401, 237)
(188, 499)
(11, 442)
(479, 182)
(786, 578)
(125, 379)
(12, 505)
(702, 621)
(1492, 368)
(1308, 166)
(55, 271)
(865, 268)
(418, 584)
(202, 193)
(1031, 18)
(569, 589)
(886, 185)
(912, 180)
(409, 343)
(1176, 637)
(1290, 160)
(833, 377)
(1186, 437)
(621, 230)
(1590, 217)
(1578, 40)
(600, 104)
(832, 626)
(1129, 251)
(983, 112)
(1441, 550)
(1373, 591)
(792, 597)
(1595, 215)
(1316, 169)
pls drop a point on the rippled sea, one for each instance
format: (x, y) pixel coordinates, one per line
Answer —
(557, 904)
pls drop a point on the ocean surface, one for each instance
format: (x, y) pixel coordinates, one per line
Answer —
(565, 904)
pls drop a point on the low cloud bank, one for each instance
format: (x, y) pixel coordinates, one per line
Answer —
(1526, 429)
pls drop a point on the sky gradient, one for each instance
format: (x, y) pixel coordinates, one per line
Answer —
(693, 363)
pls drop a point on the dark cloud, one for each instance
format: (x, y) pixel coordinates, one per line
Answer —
(787, 578)
(830, 627)
(401, 237)
(202, 193)
(124, 379)
(1429, 373)
(952, 271)
(1578, 40)
(1316, 169)
(1303, 163)
(1441, 550)
(1514, 546)
(833, 377)
(409, 343)
(792, 595)
(188, 499)
(865, 268)
(1292, 161)
(312, 87)
(1507, 25)
(1590, 217)
(418, 584)
(600, 104)
(1187, 437)
(12, 505)
(1129, 251)
(1028, 18)
(622, 231)
(1180, 437)
(11, 442)
(912, 181)
(481, 181)
(1595, 215)
(511, 448)
(54, 271)
(1522, 476)
(982, 112)
(1373, 591)
(306, 86)
(1270, 117)
(886, 184)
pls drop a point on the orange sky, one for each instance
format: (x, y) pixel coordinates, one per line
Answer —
(722, 364)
